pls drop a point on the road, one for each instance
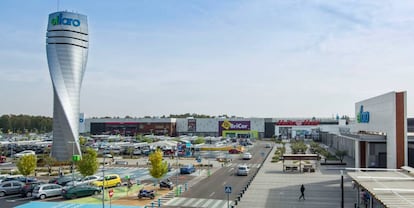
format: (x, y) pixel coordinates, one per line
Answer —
(211, 189)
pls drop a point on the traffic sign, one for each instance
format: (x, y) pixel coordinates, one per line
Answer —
(227, 189)
(111, 193)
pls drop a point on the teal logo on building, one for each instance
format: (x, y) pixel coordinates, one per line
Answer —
(362, 117)
(60, 20)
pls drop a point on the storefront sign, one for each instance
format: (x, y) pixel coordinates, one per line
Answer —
(297, 123)
(191, 125)
(233, 125)
(60, 20)
(362, 117)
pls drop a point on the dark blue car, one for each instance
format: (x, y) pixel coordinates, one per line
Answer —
(187, 169)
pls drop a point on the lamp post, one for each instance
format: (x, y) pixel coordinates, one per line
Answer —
(342, 189)
(103, 182)
(73, 160)
(176, 176)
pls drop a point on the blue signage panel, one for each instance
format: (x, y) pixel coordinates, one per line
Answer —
(362, 117)
(227, 189)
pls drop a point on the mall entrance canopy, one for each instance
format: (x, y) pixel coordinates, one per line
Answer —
(393, 188)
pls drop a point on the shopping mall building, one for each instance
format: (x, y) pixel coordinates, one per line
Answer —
(378, 137)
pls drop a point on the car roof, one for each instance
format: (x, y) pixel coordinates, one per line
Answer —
(46, 184)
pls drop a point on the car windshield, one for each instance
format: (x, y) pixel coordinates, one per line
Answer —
(242, 168)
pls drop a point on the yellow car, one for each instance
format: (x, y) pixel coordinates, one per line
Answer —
(111, 180)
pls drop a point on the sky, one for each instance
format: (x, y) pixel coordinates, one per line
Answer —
(296, 58)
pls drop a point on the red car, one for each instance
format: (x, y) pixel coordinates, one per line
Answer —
(234, 151)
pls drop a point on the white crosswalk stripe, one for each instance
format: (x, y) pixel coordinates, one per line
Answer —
(196, 202)
(255, 165)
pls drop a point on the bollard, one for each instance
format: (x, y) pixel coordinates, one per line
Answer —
(185, 187)
(235, 202)
(180, 191)
(159, 202)
(152, 204)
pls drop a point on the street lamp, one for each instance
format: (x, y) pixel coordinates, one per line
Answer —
(74, 158)
(103, 182)
(342, 189)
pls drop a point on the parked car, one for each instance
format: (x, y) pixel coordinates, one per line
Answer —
(242, 170)
(83, 181)
(121, 162)
(267, 145)
(25, 152)
(47, 190)
(137, 152)
(2, 177)
(10, 187)
(247, 156)
(187, 169)
(63, 180)
(223, 159)
(80, 191)
(111, 180)
(234, 151)
(20, 178)
(27, 189)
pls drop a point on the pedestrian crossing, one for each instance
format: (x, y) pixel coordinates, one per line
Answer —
(254, 165)
(197, 202)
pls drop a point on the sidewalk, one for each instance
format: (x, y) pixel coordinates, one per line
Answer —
(274, 188)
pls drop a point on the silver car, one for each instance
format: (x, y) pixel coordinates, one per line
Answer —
(243, 170)
(84, 181)
(47, 190)
(10, 187)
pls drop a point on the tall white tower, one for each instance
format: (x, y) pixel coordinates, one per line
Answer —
(67, 54)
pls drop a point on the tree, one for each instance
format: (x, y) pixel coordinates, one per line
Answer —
(88, 165)
(27, 164)
(130, 150)
(199, 140)
(158, 167)
(49, 162)
(298, 147)
(341, 154)
(82, 140)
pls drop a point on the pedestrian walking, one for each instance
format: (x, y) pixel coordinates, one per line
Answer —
(302, 192)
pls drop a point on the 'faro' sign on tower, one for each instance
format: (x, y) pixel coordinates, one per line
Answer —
(60, 20)
(362, 117)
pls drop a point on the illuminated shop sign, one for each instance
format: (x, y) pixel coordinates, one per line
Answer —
(60, 20)
(235, 125)
(297, 123)
(362, 117)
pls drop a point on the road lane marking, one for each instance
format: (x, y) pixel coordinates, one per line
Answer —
(212, 194)
(231, 169)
